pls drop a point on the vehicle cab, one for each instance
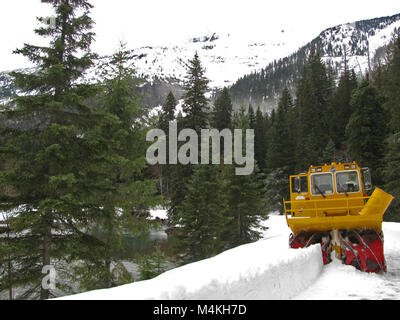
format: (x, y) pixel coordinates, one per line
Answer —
(329, 190)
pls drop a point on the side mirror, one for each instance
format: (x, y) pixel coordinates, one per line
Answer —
(366, 179)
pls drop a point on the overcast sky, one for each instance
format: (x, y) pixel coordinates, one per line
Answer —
(150, 22)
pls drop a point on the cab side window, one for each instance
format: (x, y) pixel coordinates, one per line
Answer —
(299, 185)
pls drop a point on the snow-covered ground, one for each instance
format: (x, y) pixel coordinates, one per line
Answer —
(341, 282)
(268, 269)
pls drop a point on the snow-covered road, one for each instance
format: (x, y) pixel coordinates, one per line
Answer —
(341, 282)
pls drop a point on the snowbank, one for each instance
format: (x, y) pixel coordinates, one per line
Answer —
(158, 213)
(391, 230)
(267, 269)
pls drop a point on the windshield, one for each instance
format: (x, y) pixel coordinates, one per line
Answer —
(321, 184)
(347, 182)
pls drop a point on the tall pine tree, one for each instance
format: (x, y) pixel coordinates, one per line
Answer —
(340, 109)
(203, 213)
(195, 107)
(391, 176)
(366, 131)
(281, 144)
(222, 113)
(47, 147)
(195, 104)
(392, 83)
(260, 139)
(167, 115)
(313, 98)
(124, 193)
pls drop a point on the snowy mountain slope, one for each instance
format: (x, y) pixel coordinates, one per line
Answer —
(257, 71)
(357, 43)
(354, 41)
(225, 57)
(267, 269)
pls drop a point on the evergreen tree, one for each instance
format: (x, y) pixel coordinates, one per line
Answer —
(392, 84)
(47, 147)
(391, 87)
(152, 266)
(313, 99)
(222, 115)
(203, 213)
(340, 109)
(167, 115)
(392, 177)
(328, 155)
(276, 189)
(195, 102)
(168, 112)
(366, 130)
(246, 208)
(260, 140)
(272, 117)
(241, 119)
(124, 193)
(281, 145)
(245, 196)
(252, 117)
(196, 117)
(179, 175)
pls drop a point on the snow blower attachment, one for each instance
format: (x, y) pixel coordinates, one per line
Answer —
(329, 205)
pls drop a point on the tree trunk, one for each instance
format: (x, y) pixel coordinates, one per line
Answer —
(10, 291)
(45, 293)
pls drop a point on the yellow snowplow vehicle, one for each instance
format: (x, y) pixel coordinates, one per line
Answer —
(330, 205)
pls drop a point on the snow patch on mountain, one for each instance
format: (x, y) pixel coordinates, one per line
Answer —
(348, 38)
(225, 57)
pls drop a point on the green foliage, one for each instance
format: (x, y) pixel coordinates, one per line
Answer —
(168, 112)
(222, 113)
(196, 118)
(391, 85)
(195, 102)
(203, 213)
(260, 139)
(166, 116)
(340, 109)
(241, 119)
(281, 137)
(366, 130)
(277, 187)
(246, 208)
(123, 192)
(391, 175)
(328, 155)
(75, 161)
(252, 117)
(313, 98)
(46, 145)
(152, 266)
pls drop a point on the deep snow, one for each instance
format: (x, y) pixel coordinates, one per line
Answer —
(267, 269)
(341, 282)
